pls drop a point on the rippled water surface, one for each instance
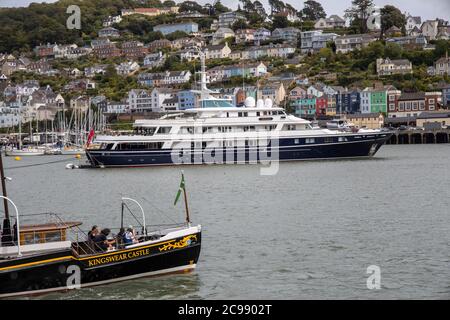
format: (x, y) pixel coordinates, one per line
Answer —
(308, 232)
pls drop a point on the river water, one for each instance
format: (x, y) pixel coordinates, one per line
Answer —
(308, 232)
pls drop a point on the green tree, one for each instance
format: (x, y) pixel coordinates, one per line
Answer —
(190, 6)
(176, 35)
(313, 11)
(393, 51)
(390, 17)
(239, 24)
(359, 13)
(279, 22)
(169, 3)
(220, 8)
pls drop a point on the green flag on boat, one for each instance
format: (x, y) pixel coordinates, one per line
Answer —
(181, 188)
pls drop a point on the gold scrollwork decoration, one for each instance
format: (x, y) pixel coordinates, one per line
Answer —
(179, 244)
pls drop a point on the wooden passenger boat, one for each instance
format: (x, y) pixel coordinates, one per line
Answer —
(58, 255)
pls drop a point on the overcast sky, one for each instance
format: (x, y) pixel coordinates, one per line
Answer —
(428, 9)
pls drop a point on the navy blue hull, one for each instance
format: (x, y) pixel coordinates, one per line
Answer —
(285, 150)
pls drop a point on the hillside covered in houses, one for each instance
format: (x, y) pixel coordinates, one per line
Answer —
(141, 58)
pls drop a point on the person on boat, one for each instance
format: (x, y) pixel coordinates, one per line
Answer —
(101, 240)
(129, 237)
(93, 233)
(120, 238)
(15, 232)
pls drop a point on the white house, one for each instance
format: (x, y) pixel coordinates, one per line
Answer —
(9, 117)
(159, 95)
(412, 23)
(27, 88)
(189, 54)
(177, 77)
(154, 60)
(430, 29)
(139, 100)
(219, 51)
(315, 91)
(94, 70)
(117, 107)
(262, 34)
(332, 22)
(365, 100)
(62, 51)
(127, 68)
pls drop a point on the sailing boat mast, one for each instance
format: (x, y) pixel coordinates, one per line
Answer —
(20, 123)
(6, 237)
(2, 176)
(188, 219)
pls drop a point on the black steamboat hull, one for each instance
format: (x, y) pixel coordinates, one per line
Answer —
(61, 271)
(289, 149)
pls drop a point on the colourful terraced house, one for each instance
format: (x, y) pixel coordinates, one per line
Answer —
(304, 107)
(374, 100)
(378, 101)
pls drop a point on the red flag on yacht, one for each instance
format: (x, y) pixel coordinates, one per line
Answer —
(90, 136)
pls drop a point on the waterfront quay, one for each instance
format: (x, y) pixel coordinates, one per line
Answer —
(418, 136)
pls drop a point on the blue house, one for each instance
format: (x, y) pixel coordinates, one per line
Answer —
(186, 99)
(348, 102)
(188, 27)
(446, 96)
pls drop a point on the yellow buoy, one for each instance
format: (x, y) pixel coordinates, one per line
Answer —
(17, 158)
(78, 156)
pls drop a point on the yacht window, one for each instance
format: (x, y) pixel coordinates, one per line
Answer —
(290, 127)
(342, 139)
(297, 141)
(136, 146)
(190, 130)
(310, 140)
(258, 113)
(328, 140)
(149, 131)
(227, 143)
(225, 129)
(164, 130)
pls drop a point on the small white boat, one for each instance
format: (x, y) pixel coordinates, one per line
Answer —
(25, 152)
(53, 151)
(69, 150)
(341, 125)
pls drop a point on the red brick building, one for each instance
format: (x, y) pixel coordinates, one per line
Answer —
(44, 51)
(159, 44)
(108, 50)
(410, 104)
(433, 100)
(134, 49)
